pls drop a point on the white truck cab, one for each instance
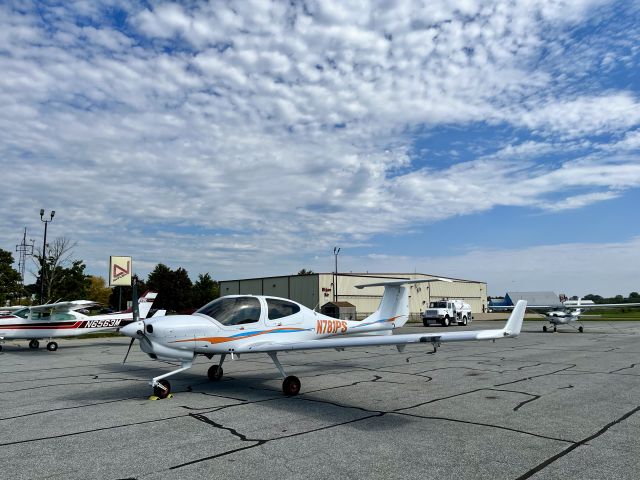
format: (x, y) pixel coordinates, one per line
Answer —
(446, 312)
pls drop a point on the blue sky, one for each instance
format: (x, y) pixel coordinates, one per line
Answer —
(491, 141)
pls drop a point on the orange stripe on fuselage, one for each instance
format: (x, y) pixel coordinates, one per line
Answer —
(214, 340)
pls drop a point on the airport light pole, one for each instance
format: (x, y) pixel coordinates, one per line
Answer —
(44, 247)
(336, 251)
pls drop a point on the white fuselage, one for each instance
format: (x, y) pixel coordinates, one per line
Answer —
(36, 325)
(183, 336)
(562, 317)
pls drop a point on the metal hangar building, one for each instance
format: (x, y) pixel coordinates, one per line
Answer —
(317, 290)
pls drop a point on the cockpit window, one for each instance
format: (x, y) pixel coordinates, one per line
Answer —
(281, 308)
(23, 313)
(233, 311)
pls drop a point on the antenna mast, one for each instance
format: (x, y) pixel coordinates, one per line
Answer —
(23, 249)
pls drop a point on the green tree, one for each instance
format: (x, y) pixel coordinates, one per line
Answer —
(10, 286)
(125, 294)
(304, 271)
(71, 283)
(57, 256)
(97, 290)
(594, 298)
(173, 287)
(204, 290)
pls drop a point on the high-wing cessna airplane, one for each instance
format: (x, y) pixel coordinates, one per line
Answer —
(62, 319)
(239, 324)
(569, 312)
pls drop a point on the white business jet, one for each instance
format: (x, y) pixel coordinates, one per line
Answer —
(239, 324)
(62, 319)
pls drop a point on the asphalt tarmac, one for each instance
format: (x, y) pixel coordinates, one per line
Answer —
(543, 406)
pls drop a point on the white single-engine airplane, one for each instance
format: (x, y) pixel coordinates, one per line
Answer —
(61, 319)
(569, 312)
(238, 324)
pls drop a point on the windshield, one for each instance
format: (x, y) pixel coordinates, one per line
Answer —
(438, 305)
(233, 310)
(24, 313)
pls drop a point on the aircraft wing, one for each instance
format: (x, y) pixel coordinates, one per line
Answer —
(63, 306)
(542, 308)
(511, 329)
(605, 305)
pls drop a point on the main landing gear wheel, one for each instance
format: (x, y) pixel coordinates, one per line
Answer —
(580, 329)
(162, 393)
(544, 328)
(214, 373)
(291, 386)
(52, 346)
(446, 322)
(555, 329)
(34, 344)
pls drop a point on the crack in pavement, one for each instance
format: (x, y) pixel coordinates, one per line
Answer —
(569, 449)
(480, 424)
(624, 368)
(109, 380)
(265, 441)
(535, 376)
(66, 408)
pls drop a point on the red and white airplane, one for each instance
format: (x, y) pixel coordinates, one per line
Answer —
(62, 319)
(239, 324)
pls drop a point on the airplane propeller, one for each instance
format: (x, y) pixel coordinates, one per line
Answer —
(128, 350)
(136, 314)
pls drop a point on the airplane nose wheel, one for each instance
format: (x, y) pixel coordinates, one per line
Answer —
(34, 344)
(580, 329)
(291, 386)
(214, 373)
(52, 346)
(162, 393)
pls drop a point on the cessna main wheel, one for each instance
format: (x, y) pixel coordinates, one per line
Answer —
(159, 391)
(34, 344)
(52, 346)
(214, 373)
(291, 386)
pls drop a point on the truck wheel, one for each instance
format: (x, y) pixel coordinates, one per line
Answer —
(446, 322)
(464, 321)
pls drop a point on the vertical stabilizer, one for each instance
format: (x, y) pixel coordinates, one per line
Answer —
(394, 306)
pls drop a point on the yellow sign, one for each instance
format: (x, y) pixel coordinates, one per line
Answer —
(120, 269)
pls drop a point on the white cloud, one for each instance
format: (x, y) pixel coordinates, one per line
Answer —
(605, 269)
(276, 129)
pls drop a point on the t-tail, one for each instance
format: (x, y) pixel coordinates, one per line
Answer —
(394, 306)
